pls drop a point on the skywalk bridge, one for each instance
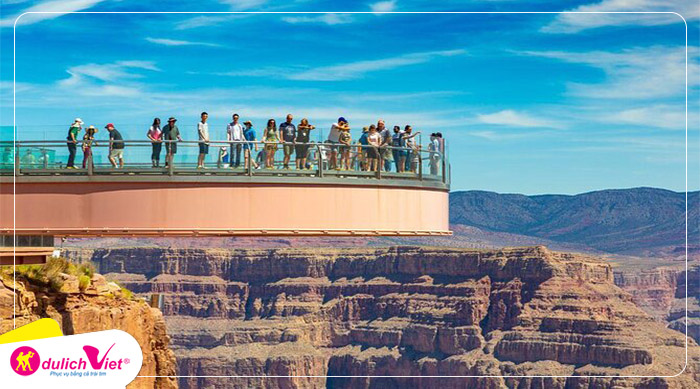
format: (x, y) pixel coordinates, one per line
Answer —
(40, 197)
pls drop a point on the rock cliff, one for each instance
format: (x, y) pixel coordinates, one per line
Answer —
(402, 311)
(97, 307)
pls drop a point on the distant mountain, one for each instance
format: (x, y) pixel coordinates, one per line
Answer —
(625, 221)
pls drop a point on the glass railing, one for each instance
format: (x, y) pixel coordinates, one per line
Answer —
(224, 158)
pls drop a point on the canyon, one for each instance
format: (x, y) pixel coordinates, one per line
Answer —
(99, 307)
(404, 314)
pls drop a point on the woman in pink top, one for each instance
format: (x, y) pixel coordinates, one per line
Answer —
(156, 136)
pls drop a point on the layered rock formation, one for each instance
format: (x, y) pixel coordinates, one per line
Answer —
(662, 293)
(400, 312)
(94, 309)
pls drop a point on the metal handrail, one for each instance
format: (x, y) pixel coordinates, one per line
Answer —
(321, 158)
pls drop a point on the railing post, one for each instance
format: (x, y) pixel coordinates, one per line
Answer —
(17, 161)
(319, 160)
(380, 166)
(90, 168)
(250, 160)
(444, 173)
(169, 160)
(420, 166)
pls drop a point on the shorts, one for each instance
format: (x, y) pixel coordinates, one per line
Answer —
(301, 150)
(372, 153)
(333, 146)
(288, 148)
(116, 153)
(203, 148)
(270, 147)
(171, 148)
(344, 148)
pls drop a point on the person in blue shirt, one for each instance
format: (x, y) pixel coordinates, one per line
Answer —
(250, 136)
(363, 150)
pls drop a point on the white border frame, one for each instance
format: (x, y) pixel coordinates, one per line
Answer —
(14, 131)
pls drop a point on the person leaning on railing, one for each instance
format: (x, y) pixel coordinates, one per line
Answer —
(344, 139)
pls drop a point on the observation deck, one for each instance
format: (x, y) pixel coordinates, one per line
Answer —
(39, 195)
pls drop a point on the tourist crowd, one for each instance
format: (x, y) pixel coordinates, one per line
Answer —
(377, 148)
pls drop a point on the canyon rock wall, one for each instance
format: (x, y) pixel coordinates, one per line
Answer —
(80, 312)
(401, 311)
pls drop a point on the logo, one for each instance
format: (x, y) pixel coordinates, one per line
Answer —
(25, 361)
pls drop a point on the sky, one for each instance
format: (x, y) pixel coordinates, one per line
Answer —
(529, 103)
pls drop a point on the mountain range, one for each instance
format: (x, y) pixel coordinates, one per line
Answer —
(622, 221)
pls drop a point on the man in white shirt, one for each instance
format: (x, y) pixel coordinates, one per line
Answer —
(203, 132)
(234, 133)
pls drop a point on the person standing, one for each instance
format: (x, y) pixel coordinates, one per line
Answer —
(385, 152)
(398, 142)
(301, 148)
(156, 137)
(362, 148)
(235, 134)
(171, 135)
(271, 139)
(375, 141)
(116, 146)
(203, 132)
(412, 150)
(288, 134)
(88, 142)
(72, 142)
(434, 149)
(345, 139)
(251, 141)
(333, 137)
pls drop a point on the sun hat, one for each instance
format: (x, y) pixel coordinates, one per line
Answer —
(109, 125)
(78, 120)
(247, 122)
(172, 119)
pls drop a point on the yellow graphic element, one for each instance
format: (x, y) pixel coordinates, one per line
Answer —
(23, 360)
(40, 329)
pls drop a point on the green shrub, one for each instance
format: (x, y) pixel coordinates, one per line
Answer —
(83, 282)
(127, 294)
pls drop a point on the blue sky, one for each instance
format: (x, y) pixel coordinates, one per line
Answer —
(530, 103)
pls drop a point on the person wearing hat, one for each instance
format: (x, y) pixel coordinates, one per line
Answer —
(88, 142)
(171, 134)
(250, 137)
(72, 142)
(333, 138)
(116, 146)
(362, 149)
(398, 144)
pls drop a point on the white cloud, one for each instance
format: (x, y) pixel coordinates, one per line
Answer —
(383, 6)
(238, 5)
(329, 19)
(48, 6)
(113, 79)
(575, 22)
(354, 70)
(640, 73)
(346, 71)
(516, 119)
(661, 116)
(173, 42)
(208, 20)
